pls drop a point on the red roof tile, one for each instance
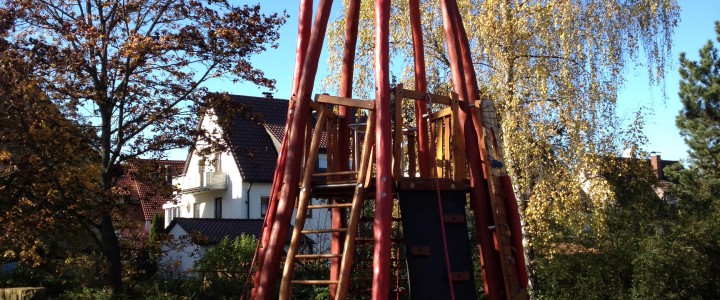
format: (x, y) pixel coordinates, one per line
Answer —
(142, 188)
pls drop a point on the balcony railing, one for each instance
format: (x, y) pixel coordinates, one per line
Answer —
(209, 181)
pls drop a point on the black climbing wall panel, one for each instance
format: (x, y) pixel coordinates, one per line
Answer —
(422, 233)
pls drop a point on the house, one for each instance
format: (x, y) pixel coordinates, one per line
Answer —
(235, 183)
(663, 184)
(201, 235)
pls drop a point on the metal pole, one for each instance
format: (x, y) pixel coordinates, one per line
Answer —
(383, 155)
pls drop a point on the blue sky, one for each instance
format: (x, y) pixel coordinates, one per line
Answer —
(696, 26)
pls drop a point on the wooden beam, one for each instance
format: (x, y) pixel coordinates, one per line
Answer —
(441, 114)
(418, 95)
(363, 104)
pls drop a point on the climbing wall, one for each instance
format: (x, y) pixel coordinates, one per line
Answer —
(424, 244)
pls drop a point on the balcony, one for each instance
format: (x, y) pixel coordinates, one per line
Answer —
(208, 181)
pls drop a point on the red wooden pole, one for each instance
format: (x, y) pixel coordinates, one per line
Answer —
(470, 77)
(478, 194)
(295, 137)
(420, 85)
(510, 201)
(516, 230)
(383, 155)
(304, 23)
(343, 146)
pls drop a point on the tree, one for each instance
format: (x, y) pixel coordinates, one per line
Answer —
(694, 240)
(229, 259)
(48, 179)
(699, 120)
(133, 71)
(553, 69)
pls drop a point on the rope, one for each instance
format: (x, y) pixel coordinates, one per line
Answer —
(433, 151)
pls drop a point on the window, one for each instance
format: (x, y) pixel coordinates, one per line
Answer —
(322, 162)
(218, 208)
(264, 205)
(196, 210)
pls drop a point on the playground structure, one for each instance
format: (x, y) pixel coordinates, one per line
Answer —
(448, 149)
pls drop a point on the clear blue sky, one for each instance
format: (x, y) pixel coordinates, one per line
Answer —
(695, 28)
(693, 31)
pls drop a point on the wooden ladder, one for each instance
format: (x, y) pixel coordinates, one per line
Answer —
(355, 206)
(503, 233)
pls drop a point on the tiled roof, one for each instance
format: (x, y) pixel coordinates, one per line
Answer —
(217, 229)
(248, 135)
(248, 138)
(140, 188)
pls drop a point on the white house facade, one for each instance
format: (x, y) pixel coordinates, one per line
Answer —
(236, 183)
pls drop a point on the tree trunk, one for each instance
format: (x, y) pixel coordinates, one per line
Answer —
(111, 251)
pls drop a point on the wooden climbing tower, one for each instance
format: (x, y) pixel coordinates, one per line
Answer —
(405, 177)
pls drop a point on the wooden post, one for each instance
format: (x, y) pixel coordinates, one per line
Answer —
(383, 155)
(421, 86)
(458, 150)
(288, 192)
(346, 79)
(493, 284)
(398, 133)
(304, 23)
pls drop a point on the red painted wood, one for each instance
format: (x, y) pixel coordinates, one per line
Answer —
(470, 77)
(295, 137)
(383, 155)
(343, 145)
(515, 229)
(492, 279)
(420, 85)
(304, 26)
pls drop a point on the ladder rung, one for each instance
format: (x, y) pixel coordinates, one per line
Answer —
(325, 230)
(334, 186)
(335, 173)
(335, 205)
(314, 282)
(317, 256)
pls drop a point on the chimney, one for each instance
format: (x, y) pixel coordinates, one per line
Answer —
(268, 95)
(656, 163)
(168, 174)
